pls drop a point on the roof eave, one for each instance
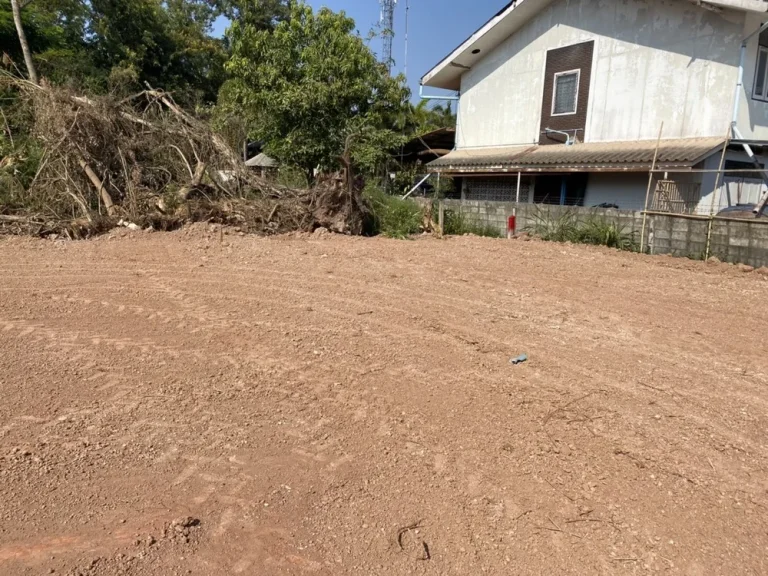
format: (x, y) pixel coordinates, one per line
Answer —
(447, 73)
(559, 168)
(740, 5)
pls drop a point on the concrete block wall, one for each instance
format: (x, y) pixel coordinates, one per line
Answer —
(677, 235)
(740, 241)
(497, 214)
(736, 241)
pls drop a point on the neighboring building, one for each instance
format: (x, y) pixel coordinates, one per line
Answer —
(604, 76)
(427, 147)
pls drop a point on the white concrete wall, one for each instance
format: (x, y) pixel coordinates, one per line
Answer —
(627, 190)
(655, 60)
(753, 114)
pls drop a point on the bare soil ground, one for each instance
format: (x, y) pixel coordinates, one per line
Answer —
(197, 403)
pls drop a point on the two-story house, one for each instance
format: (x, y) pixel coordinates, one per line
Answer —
(562, 101)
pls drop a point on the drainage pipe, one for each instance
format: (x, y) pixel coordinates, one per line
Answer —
(568, 140)
(412, 190)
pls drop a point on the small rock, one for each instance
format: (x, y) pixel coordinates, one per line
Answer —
(320, 231)
(714, 260)
(762, 271)
(745, 267)
(129, 225)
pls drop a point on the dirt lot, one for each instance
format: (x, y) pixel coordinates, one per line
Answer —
(197, 403)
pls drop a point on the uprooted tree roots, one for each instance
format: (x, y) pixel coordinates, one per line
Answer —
(145, 160)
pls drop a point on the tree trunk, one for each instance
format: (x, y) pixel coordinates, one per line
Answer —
(99, 185)
(23, 41)
(197, 178)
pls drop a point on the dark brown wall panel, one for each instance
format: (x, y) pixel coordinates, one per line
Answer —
(576, 56)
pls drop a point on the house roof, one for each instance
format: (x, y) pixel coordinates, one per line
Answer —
(447, 73)
(261, 160)
(429, 146)
(636, 155)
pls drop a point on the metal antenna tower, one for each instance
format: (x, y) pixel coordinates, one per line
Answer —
(405, 58)
(388, 24)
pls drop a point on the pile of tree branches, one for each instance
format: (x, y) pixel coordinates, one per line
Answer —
(143, 159)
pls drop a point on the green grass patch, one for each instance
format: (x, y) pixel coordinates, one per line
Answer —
(456, 224)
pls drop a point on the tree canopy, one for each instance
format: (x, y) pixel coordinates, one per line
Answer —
(165, 43)
(303, 82)
(108, 44)
(310, 87)
(424, 119)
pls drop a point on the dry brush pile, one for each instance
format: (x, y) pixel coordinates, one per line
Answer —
(145, 160)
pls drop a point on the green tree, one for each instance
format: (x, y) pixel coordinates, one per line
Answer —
(165, 43)
(311, 89)
(261, 14)
(102, 43)
(55, 31)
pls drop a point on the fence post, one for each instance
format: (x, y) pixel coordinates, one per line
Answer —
(709, 238)
(718, 177)
(440, 215)
(648, 190)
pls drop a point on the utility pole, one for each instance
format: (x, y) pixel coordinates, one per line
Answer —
(388, 24)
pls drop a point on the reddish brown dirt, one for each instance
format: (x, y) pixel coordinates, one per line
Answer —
(178, 404)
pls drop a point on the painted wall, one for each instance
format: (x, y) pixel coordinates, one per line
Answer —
(753, 114)
(654, 61)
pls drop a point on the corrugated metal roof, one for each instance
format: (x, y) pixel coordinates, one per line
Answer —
(620, 156)
(261, 160)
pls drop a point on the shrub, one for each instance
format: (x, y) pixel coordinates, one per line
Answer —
(392, 216)
(560, 228)
(19, 163)
(292, 177)
(600, 231)
(565, 226)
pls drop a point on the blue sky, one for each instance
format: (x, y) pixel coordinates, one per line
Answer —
(436, 27)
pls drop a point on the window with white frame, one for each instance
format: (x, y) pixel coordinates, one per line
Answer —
(760, 88)
(565, 93)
